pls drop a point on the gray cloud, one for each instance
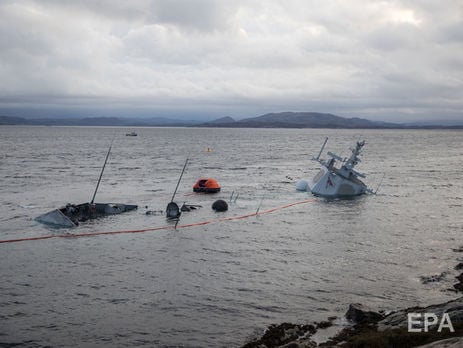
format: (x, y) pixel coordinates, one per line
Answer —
(204, 15)
(391, 60)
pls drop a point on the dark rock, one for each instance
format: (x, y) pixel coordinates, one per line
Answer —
(459, 286)
(359, 313)
(285, 335)
(300, 344)
(459, 267)
(454, 342)
(399, 319)
(324, 324)
(436, 278)
(220, 205)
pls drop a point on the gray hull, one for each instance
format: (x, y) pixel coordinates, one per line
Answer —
(72, 215)
(55, 218)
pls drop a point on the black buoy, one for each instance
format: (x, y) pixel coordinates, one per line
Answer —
(220, 205)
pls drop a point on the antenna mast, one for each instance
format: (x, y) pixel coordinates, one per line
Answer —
(102, 170)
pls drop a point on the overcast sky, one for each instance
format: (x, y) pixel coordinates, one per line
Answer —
(382, 60)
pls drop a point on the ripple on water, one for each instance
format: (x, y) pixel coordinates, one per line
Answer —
(215, 285)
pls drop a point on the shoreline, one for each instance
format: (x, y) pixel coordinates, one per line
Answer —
(369, 328)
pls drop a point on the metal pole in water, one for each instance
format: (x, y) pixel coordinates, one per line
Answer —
(321, 150)
(102, 170)
(384, 174)
(260, 203)
(178, 182)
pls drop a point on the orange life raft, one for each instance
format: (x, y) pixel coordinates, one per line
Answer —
(206, 185)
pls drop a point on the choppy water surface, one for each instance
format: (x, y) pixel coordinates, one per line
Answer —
(217, 285)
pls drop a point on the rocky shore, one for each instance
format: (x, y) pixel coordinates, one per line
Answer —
(370, 328)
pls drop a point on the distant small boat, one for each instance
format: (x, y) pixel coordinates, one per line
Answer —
(131, 134)
(72, 214)
(206, 185)
(331, 181)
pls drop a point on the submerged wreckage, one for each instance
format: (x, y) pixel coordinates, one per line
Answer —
(331, 181)
(72, 214)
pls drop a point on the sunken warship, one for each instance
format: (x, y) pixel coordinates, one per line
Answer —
(333, 181)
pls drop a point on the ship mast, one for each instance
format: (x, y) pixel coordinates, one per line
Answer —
(354, 159)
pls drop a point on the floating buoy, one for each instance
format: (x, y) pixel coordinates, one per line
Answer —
(220, 205)
(206, 185)
(302, 185)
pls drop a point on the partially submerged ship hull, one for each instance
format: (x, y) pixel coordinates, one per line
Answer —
(332, 181)
(72, 214)
(330, 184)
(55, 218)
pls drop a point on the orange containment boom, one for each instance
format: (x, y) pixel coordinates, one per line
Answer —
(206, 185)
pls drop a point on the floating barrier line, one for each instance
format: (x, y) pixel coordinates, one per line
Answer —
(167, 227)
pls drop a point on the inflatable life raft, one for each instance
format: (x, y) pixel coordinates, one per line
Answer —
(206, 185)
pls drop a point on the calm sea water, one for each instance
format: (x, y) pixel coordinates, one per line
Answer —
(220, 284)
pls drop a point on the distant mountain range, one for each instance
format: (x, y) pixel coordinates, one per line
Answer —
(272, 120)
(299, 120)
(99, 121)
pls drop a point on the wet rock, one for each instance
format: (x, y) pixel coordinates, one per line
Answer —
(300, 344)
(399, 319)
(360, 313)
(454, 342)
(459, 286)
(436, 278)
(285, 335)
(324, 324)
